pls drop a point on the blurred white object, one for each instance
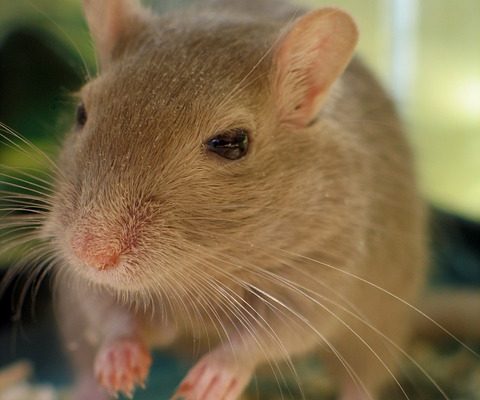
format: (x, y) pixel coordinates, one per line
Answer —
(25, 391)
(401, 19)
(14, 385)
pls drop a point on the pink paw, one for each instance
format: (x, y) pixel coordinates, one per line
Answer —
(214, 378)
(121, 365)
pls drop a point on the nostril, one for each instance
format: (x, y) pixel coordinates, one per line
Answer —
(95, 252)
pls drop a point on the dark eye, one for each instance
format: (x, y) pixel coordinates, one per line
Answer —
(232, 144)
(81, 117)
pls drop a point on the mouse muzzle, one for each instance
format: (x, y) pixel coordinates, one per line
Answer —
(104, 243)
(94, 252)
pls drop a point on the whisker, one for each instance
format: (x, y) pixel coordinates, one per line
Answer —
(11, 210)
(66, 35)
(15, 270)
(16, 135)
(20, 200)
(236, 308)
(38, 272)
(404, 302)
(32, 177)
(17, 241)
(13, 221)
(238, 87)
(390, 341)
(28, 189)
(353, 375)
(296, 286)
(350, 371)
(341, 321)
(288, 283)
(13, 231)
(363, 280)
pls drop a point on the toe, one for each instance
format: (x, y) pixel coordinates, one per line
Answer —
(214, 378)
(122, 365)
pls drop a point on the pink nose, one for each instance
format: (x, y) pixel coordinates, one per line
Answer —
(94, 252)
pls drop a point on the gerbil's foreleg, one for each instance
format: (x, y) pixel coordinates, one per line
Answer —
(215, 376)
(122, 363)
(259, 337)
(123, 360)
(105, 343)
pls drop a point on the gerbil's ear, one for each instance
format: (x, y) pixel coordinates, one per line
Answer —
(110, 23)
(312, 54)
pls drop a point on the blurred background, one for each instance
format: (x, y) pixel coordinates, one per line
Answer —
(426, 52)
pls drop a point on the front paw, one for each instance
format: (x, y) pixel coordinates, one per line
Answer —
(217, 376)
(121, 365)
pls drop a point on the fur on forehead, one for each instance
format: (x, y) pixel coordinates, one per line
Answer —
(188, 68)
(191, 50)
(119, 27)
(111, 22)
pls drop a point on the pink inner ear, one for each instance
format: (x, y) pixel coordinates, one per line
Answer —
(308, 103)
(304, 88)
(310, 58)
(109, 21)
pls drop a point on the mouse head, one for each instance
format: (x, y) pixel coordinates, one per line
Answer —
(199, 146)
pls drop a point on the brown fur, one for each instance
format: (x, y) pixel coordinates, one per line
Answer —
(252, 248)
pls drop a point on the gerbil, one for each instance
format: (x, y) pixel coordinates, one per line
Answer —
(232, 174)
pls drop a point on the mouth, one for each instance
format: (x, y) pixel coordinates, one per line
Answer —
(104, 265)
(120, 277)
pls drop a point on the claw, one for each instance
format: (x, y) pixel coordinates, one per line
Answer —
(122, 365)
(215, 377)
